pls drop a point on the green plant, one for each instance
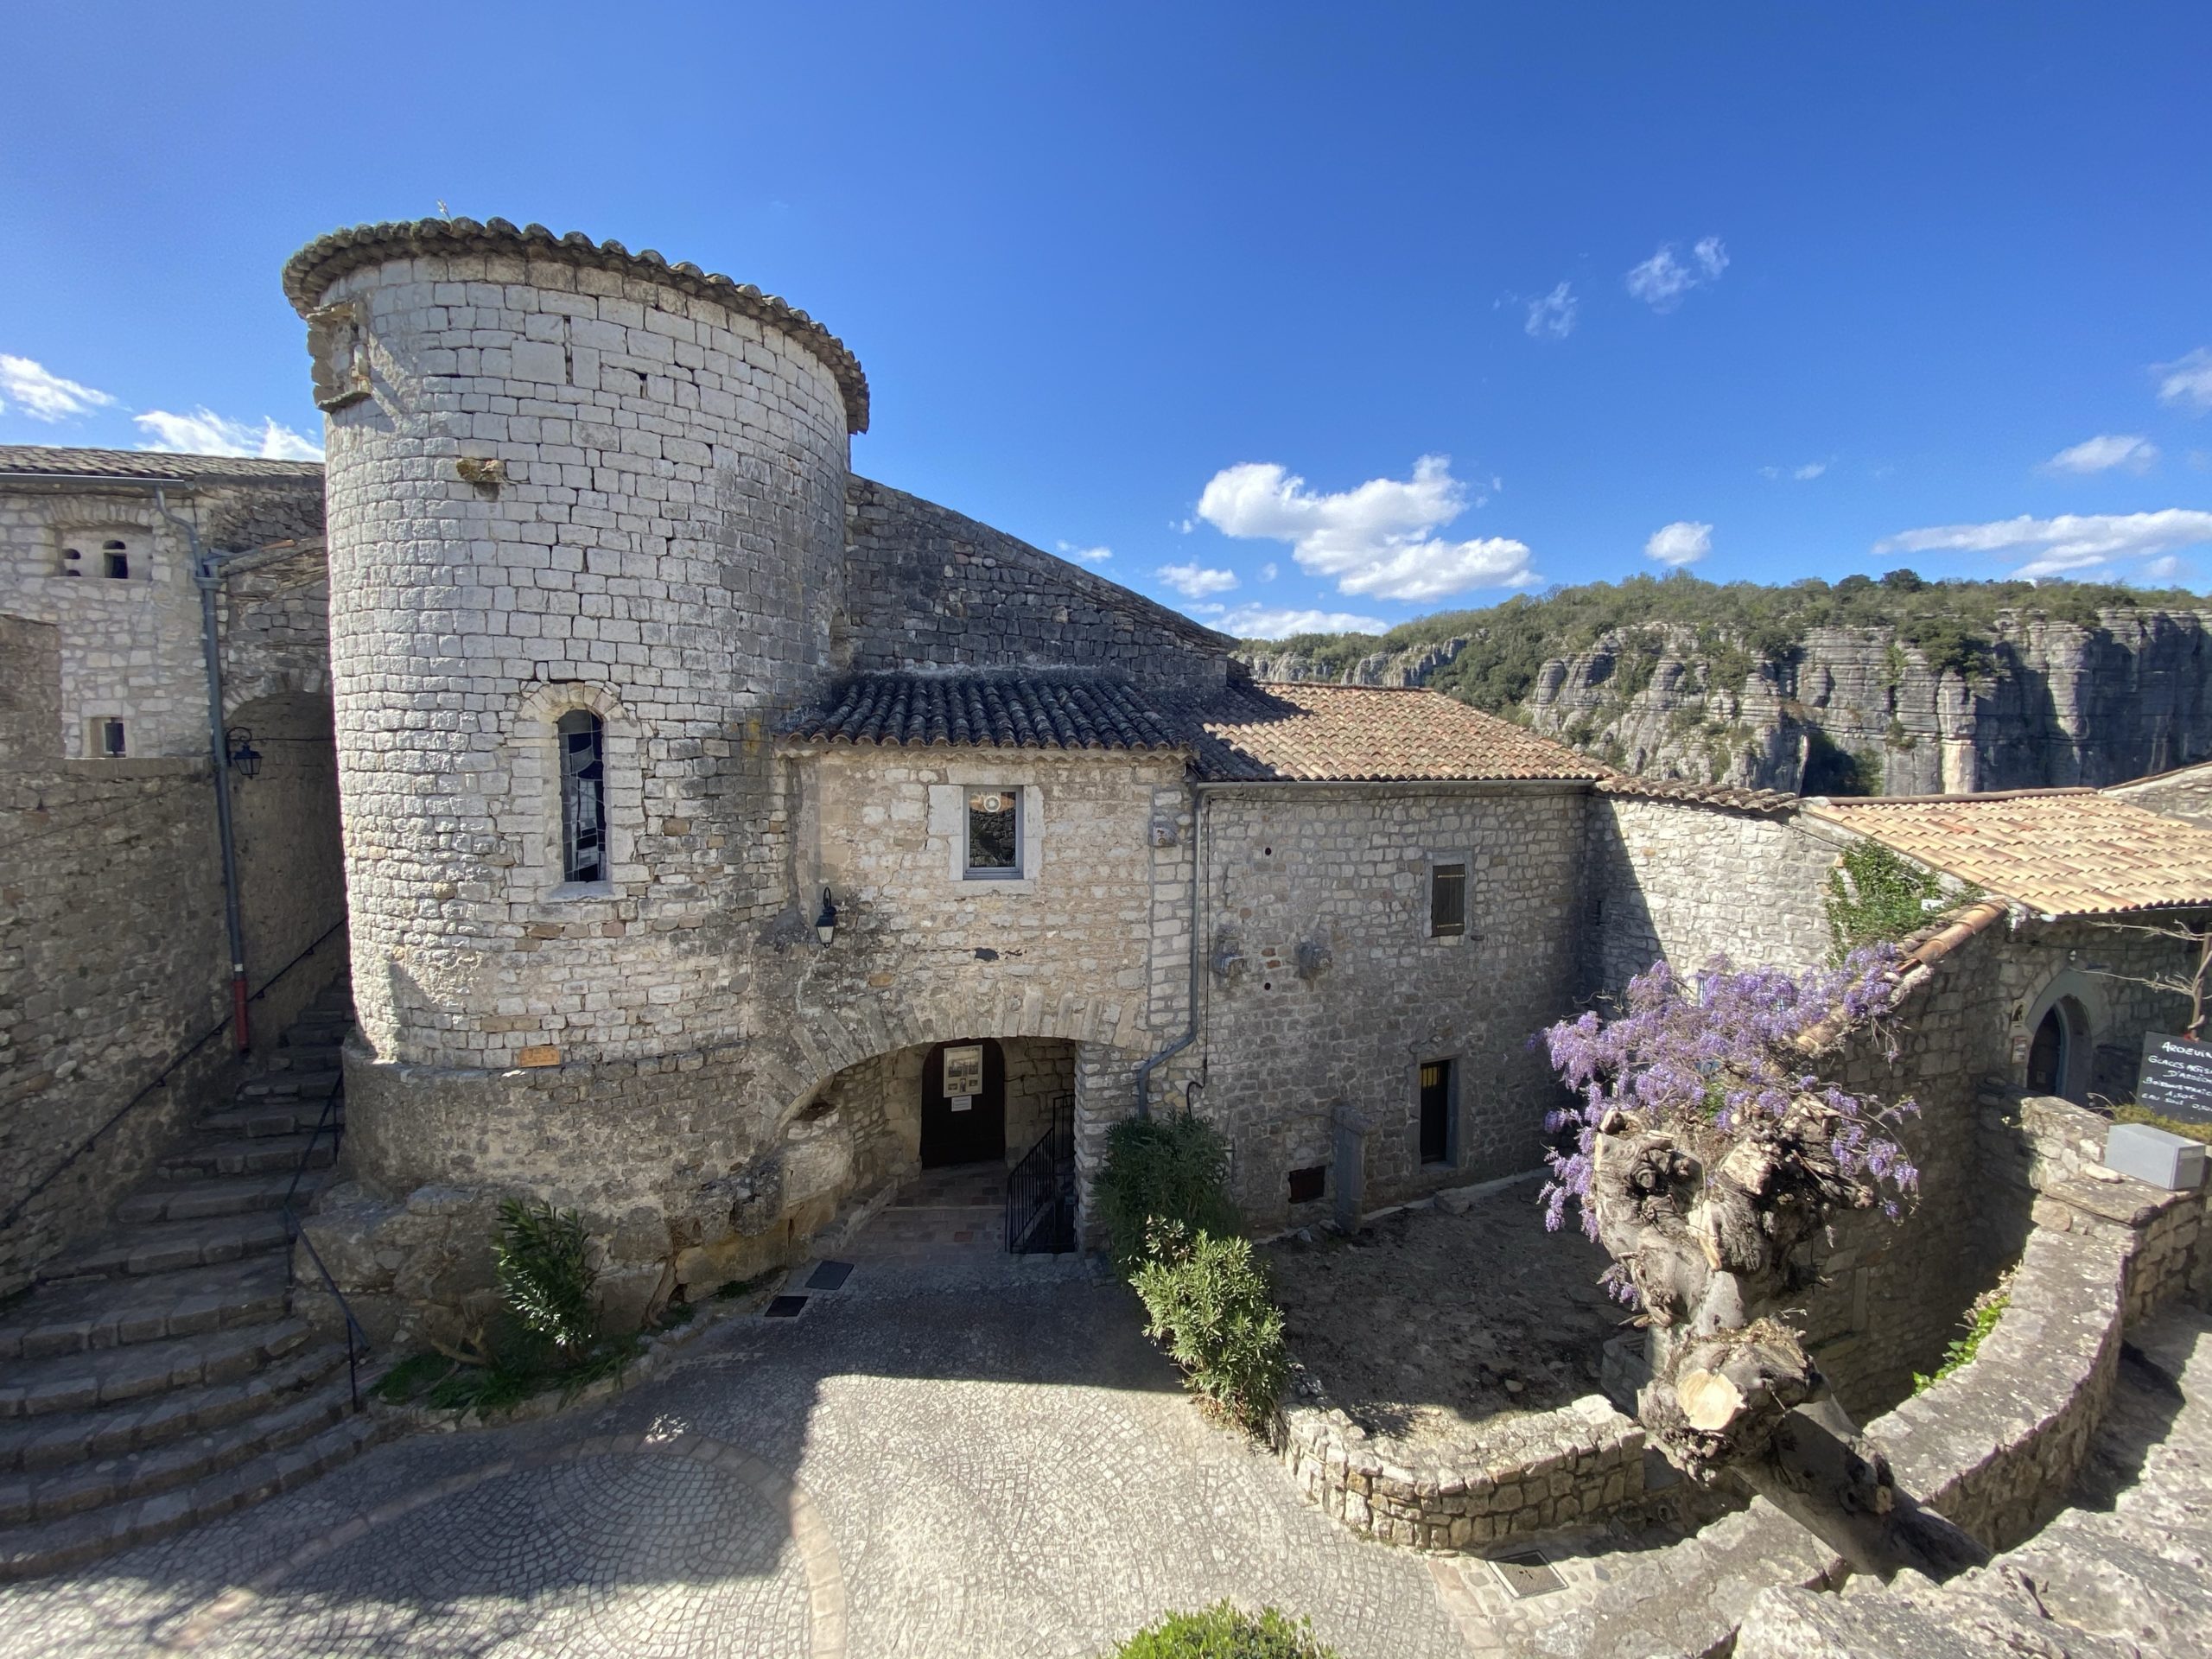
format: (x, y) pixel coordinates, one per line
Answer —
(2131, 1113)
(1222, 1633)
(1210, 1307)
(1171, 1168)
(1982, 1318)
(542, 1259)
(411, 1376)
(1876, 897)
(734, 1289)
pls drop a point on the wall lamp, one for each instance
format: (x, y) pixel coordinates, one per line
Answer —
(245, 759)
(825, 924)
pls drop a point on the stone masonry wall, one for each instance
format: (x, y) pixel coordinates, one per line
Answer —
(930, 588)
(1343, 875)
(665, 549)
(1686, 880)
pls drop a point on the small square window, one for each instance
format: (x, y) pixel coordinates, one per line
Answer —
(1308, 1185)
(115, 562)
(994, 834)
(1447, 900)
(108, 740)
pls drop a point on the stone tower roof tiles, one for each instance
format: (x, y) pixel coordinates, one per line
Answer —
(309, 273)
(988, 708)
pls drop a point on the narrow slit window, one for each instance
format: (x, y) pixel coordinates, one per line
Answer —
(584, 796)
(994, 834)
(73, 562)
(1436, 1112)
(115, 562)
(108, 733)
(1447, 900)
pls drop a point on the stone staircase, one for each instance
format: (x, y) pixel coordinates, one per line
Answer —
(158, 1375)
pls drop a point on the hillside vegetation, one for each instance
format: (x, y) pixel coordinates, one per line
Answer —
(1738, 624)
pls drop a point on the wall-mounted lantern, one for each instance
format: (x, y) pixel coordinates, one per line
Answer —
(245, 759)
(825, 924)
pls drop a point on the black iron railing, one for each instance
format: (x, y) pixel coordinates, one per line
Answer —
(1040, 1188)
(160, 1084)
(357, 1340)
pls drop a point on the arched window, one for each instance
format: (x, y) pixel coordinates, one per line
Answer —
(584, 796)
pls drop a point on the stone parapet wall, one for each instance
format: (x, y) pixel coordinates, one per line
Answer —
(1518, 1475)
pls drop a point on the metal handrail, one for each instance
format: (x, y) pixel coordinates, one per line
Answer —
(1036, 1187)
(161, 1081)
(296, 1234)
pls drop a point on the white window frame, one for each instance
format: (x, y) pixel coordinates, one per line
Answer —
(948, 819)
(969, 872)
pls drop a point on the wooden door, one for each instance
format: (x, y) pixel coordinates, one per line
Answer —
(965, 1127)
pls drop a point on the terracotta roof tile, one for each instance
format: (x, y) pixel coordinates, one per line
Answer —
(1304, 731)
(988, 708)
(1674, 789)
(2062, 852)
(153, 465)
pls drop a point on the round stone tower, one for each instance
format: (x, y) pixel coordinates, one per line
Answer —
(586, 520)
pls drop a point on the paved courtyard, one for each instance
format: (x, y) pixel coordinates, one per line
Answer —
(924, 1462)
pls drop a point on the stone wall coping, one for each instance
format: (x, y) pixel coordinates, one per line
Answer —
(309, 273)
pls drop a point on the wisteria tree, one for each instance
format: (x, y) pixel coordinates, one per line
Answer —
(1708, 1149)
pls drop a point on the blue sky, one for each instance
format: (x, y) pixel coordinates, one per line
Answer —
(1302, 313)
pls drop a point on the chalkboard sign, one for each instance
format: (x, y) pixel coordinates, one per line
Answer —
(2177, 1077)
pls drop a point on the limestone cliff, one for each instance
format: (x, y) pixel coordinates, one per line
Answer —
(1856, 709)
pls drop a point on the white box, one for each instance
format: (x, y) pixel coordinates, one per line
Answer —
(2157, 1156)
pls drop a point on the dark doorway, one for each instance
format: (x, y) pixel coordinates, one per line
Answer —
(2047, 1056)
(969, 1127)
(1436, 1112)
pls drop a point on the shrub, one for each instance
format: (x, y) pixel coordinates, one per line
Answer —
(546, 1277)
(1173, 1168)
(1222, 1632)
(1210, 1307)
(2131, 1113)
(1877, 897)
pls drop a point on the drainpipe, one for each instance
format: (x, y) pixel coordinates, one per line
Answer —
(1197, 936)
(207, 576)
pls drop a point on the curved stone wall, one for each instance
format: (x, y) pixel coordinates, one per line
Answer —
(568, 482)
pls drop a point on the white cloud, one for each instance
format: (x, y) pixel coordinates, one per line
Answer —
(2103, 453)
(2071, 543)
(1680, 544)
(2162, 570)
(1661, 280)
(203, 432)
(1194, 580)
(1269, 571)
(2186, 382)
(1551, 316)
(1257, 621)
(1805, 474)
(1375, 539)
(1084, 555)
(44, 395)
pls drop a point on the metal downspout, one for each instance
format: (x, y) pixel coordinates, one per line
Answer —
(207, 576)
(1198, 877)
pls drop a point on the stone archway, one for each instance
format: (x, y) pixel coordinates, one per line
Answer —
(2063, 1024)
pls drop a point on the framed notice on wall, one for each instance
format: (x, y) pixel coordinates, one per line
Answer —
(2177, 1077)
(963, 1070)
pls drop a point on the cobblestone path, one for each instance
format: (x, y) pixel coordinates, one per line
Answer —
(919, 1464)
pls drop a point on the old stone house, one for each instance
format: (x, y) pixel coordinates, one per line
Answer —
(726, 837)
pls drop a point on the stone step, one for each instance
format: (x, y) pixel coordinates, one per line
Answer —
(27, 1552)
(260, 1119)
(167, 1246)
(108, 1376)
(248, 1155)
(301, 1084)
(86, 1314)
(199, 1197)
(35, 1445)
(76, 1488)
